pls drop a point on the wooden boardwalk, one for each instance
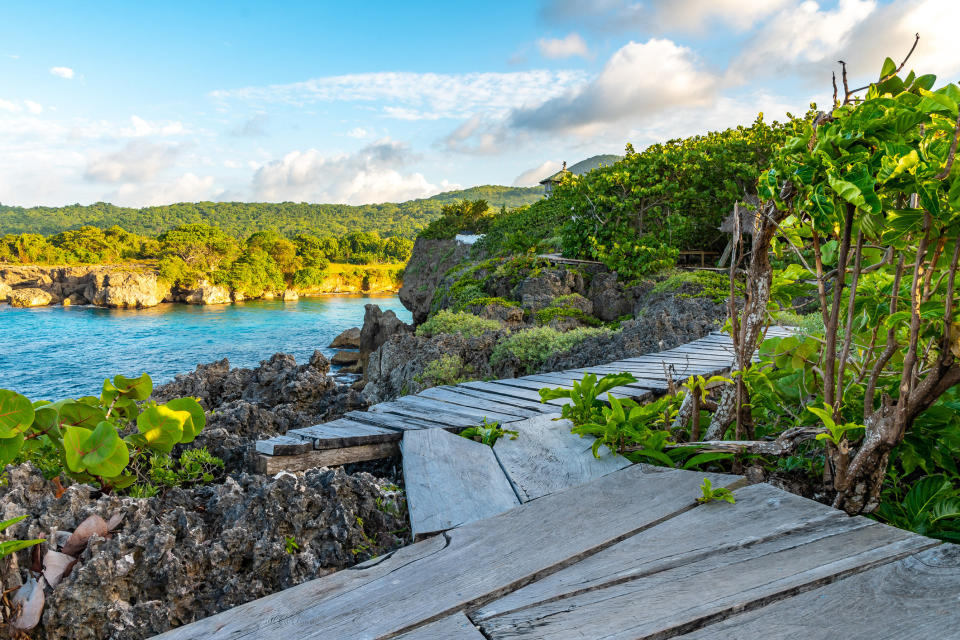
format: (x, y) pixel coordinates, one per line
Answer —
(536, 538)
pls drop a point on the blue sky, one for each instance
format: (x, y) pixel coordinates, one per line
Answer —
(150, 103)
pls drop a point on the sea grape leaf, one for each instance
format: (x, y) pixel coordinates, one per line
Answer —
(197, 421)
(16, 413)
(134, 388)
(78, 414)
(9, 448)
(73, 439)
(105, 454)
(162, 427)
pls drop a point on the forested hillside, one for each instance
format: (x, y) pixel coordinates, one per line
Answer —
(240, 219)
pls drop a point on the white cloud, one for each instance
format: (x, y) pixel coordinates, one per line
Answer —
(412, 96)
(62, 72)
(532, 177)
(358, 132)
(187, 188)
(639, 80)
(137, 162)
(7, 105)
(372, 174)
(33, 107)
(567, 47)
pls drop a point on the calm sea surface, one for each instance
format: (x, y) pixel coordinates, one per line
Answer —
(57, 352)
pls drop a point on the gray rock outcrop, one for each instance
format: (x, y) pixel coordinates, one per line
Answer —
(378, 327)
(29, 297)
(105, 286)
(349, 339)
(429, 262)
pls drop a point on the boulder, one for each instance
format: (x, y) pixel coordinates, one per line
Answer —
(608, 298)
(341, 358)
(349, 339)
(29, 297)
(207, 293)
(5, 291)
(290, 295)
(125, 289)
(378, 327)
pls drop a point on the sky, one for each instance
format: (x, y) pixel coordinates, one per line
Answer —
(143, 104)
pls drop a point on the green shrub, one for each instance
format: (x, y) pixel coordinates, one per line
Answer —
(532, 227)
(544, 316)
(461, 322)
(712, 284)
(532, 347)
(447, 369)
(463, 216)
(485, 301)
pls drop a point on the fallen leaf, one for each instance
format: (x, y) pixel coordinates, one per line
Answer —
(56, 566)
(77, 542)
(28, 604)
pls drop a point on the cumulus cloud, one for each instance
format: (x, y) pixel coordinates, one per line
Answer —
(188, 187)
(137, 161)
(413, 96)
(62, 72)
(659, 15)
(532, 177)
(567, 47)
(372, 174)
(358, 132)
(639, 80)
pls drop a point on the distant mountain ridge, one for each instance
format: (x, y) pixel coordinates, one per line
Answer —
(240, 219)
(593, 162)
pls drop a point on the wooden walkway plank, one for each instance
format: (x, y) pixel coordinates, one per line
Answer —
(450, 481)
(454, 421)
(533, 406)
(451, 395)
(342, 432)
(527, 392)
(283, 446)
(431, 405)
(673, 601)
(391, 421)
(455, 627)
(324, 458)
(761, 513)
(911, 599)
(546, 457)
(466, 566)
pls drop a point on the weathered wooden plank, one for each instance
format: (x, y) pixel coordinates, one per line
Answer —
(546, 458)
(341, 433)
(454, 421)
(911, 599)
(533, 406)
(284, 446)
(676, 600)
(450, 481)
(431, 405)
(391, 421)
(498, 386)
(447, 394)
(454, 627)
(324, 458)
(761, 513)
(469, 565)
(633, 391)
(526, 383)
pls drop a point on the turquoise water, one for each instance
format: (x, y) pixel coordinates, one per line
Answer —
(58, 352)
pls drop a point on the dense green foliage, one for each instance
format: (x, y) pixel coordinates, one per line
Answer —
(240, 219)
(531, 228)
(463, 216)
(84, 438)
(459, 322)
(447, 369)
(528, 349)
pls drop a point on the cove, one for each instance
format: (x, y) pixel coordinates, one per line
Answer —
(57, 352)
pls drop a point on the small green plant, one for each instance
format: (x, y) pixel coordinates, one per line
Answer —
(12, 546)
(290, 544)
(459, 322)
(488, 433)
(585, 395)
(931, 507)
(195, 466)
(835, 433)
(710, 494)
(530, 348)
(447, 369)
(82, 438)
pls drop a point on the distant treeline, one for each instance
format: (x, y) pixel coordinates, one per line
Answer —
(241, 219)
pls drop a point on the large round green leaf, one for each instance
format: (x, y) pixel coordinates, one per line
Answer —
(73, 439)
(16, 413)
(134, 388)
(104, 453)
(162, 427)
(46, 420)
(197, 421)
(79, 414)
(9, 448)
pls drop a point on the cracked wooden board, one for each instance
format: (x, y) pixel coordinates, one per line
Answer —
(545, 457)
(911, 599)
(451, 395)
(455, 627)
(465, 567)
(533, 406)
(450, 481)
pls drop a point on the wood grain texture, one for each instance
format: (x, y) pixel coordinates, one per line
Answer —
(431, 405)
(911, 599)
(284, 446)
(546, 458)
(324, 458)
(688, 596)
(760, 513)
(454, 627)
(391, 421)
(478, 404)
(466, 566)
(453, 421)
(533, 406)
(528, 392)
(343, 432)
(451, 480)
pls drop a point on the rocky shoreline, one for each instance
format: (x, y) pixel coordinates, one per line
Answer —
(138, 286)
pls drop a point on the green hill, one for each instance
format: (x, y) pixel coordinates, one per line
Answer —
(240, 219)
(593, 162)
